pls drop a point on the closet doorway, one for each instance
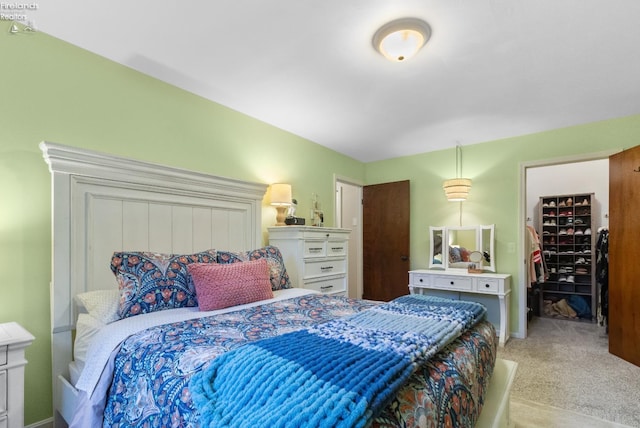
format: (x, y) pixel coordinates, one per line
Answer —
(565, 176)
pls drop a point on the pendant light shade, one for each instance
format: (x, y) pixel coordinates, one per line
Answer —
(457, 189)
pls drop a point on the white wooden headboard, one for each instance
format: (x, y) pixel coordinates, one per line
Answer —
(103, 203)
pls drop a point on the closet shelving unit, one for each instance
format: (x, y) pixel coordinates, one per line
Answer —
(568, 246)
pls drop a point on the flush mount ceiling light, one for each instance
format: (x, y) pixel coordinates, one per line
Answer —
(401, 39)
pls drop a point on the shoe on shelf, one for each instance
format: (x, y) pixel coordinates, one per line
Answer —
(587, 231)
(562, 278)
(585, 201)
(570, 278)
(581, 261)
(562, 232)
(570, 231)
(552, 203)
(578, 232)
(569, 202)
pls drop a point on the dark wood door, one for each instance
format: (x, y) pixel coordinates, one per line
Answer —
(385, 230)
(624, 255)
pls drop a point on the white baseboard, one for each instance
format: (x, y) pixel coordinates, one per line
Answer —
(47, 423)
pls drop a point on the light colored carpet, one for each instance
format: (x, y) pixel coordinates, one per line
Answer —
(567, 365)
(529, 414)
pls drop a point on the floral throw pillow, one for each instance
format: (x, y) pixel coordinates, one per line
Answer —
(150, 282)
(277, 272)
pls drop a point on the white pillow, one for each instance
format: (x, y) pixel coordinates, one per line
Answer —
(100, 304)
(86, 327)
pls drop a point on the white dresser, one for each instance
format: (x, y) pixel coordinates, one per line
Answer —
(13, 341)
(480, 287)
(315, 257)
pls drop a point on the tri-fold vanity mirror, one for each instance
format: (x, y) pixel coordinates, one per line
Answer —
(462, 247)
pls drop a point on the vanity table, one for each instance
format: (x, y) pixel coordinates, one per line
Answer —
(461, 285)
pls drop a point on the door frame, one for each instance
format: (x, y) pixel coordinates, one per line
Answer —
(522, 222)
(356, 242)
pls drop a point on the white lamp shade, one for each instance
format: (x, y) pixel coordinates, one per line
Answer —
(281, 194)
(457, 189)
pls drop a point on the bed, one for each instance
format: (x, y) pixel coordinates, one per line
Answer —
(103, 204)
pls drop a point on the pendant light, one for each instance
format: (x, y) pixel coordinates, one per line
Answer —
(457, 189)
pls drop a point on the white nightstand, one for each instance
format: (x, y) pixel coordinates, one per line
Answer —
(13, 341)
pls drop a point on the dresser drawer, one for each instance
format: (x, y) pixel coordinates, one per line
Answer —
(328, 286)
(3, 355)
(315, 249)
(452, 283)
(4, 422)
(487, 285)
(324, 268)
(336, 248)
(3, 391)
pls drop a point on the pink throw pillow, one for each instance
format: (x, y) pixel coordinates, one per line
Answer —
(221, 286)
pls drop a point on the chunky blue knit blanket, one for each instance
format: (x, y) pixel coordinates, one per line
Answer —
(337, 374)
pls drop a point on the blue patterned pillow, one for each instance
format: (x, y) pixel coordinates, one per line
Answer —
(150, 282)
(277, 272)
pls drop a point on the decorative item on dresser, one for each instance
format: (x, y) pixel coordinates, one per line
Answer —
(13, 341)
(567, 229)
(465, 286)
(315, 257)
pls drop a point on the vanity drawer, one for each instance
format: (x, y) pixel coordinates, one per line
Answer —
(324, 267)
(328, 286)
(452, 283)
(487, 285)
(418, 280)
(315, 248)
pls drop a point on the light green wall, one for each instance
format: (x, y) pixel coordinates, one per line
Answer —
(495, 195)
(56, 92)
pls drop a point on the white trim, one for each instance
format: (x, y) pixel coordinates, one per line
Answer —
(522, 222)
(46, 423)
(357, 237)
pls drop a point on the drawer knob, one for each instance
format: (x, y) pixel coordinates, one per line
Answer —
(326, 267)
(326, 287)
(487, 285)
(420, 280)
(452, 282)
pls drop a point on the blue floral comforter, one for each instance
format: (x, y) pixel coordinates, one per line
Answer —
(153, 368)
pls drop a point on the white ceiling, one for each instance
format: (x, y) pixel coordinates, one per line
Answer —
(492, 68)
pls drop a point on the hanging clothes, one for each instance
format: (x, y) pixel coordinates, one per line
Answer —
(602, 274)
(536, 271)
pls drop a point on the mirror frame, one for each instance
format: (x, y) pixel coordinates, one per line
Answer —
(482, 245)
